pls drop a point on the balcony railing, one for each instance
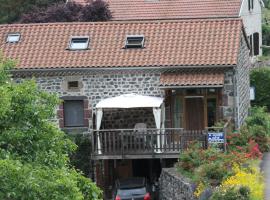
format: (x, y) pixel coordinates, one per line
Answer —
(149, 143)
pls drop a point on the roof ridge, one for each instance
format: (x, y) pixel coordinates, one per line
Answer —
(125, 22)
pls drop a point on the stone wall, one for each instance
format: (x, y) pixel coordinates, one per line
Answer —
(100, 86)
(173, 186)
(242, 84)
(228, 101)
(127, 118)
(95, 87)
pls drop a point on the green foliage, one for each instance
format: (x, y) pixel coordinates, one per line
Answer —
(259, 78)
(256, 129)
(81, 158)
(209, 166)
(11, 10)
(258, 124)
(266, 35)
(214, 172)
(30, 182)
(34, 161)
(242, 193)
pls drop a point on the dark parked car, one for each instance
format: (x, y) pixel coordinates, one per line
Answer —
(135, 188)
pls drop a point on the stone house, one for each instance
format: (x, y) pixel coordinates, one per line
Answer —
(199, 68)
(250, 11)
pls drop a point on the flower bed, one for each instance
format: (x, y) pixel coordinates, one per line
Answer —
(234, 174)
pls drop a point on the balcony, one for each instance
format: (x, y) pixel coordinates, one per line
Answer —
(151, 143)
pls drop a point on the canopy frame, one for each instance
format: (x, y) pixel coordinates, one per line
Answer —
(157, 105)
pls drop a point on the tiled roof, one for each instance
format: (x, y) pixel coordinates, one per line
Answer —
(171, 9)
(192, 79)
(167, 43)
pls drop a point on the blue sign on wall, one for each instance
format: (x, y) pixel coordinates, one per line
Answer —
(215, 137)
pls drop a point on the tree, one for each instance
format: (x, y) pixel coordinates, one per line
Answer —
(11, 10)
(69, 12)
(34, 161)
(260, 78)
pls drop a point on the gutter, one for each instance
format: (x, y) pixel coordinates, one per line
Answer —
(113, 69)
(192, 86)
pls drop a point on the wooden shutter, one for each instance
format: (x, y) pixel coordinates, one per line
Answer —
(256, 44)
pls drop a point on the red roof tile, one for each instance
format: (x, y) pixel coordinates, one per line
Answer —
(171, 9)
(192, 79)
(167, 43)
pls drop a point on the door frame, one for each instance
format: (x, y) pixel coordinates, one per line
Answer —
(205, 95)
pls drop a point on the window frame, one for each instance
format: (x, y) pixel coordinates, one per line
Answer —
(134, 46)
(87, 38)
(67, 123)
(18, 35)
(86, 112)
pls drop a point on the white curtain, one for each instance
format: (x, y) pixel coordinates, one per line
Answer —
(157, 115)
(99, 115)
(163, 116)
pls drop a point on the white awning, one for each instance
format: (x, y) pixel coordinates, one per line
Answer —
(133, 101)
(130, 101)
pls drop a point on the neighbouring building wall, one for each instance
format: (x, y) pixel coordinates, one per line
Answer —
(100, 86)
(252, 19)
(242, 84)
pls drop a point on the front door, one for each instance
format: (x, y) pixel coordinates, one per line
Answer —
(194, 113)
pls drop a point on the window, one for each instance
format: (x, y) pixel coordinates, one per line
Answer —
(73, 85)
(13, 37)
(251, 45)
(73, 113)
(250, 4)
(256, 44)
(211, 112)
(79, 43)
(177, 112)
(134, 41)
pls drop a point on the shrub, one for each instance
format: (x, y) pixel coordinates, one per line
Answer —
(190, 159)
(258, 78)
(257, 129)
(232, 193)
(258, 124)
(213, 172)
(266, 35)
(246, 177)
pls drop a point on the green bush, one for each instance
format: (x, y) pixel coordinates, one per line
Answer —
(258, 124)
(266, 34)
(242, 193)
(259, 78)
(213, 172)
(34, 161)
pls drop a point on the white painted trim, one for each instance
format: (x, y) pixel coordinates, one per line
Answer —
(241, 8)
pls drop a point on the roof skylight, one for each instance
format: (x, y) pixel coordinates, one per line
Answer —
(13, 37)
(79, 43)
(134, 41)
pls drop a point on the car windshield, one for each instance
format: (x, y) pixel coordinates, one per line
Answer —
(131, 192)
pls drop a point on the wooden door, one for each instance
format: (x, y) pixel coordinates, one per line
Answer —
(194, 113)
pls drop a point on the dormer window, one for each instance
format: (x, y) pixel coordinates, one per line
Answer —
(134, 41)
(79, 43)
(13, 37)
